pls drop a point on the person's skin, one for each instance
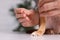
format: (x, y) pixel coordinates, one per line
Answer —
(52, 11)
(27, 18)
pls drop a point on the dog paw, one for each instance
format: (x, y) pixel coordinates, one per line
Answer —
(36, 34)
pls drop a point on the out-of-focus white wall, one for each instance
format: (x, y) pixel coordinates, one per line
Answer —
(7, 22)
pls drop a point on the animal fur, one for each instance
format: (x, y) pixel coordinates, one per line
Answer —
(49, 11)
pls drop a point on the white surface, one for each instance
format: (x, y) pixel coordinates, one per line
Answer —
(22, 36)
(7, 21)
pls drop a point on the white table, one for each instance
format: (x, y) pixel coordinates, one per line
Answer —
(23, 36)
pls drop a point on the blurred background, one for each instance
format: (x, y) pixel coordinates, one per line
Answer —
(10, 28)
(8, 21)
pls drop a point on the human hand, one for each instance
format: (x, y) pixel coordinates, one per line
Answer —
(27, 17)
(50, 8)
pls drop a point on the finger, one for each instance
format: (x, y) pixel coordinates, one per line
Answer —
(27, 18)
(49, 6)
(29, 12)
(18, 10)
(42, 2)
(51, 13)
(22, 11)
(22, 20)
(20, 15)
